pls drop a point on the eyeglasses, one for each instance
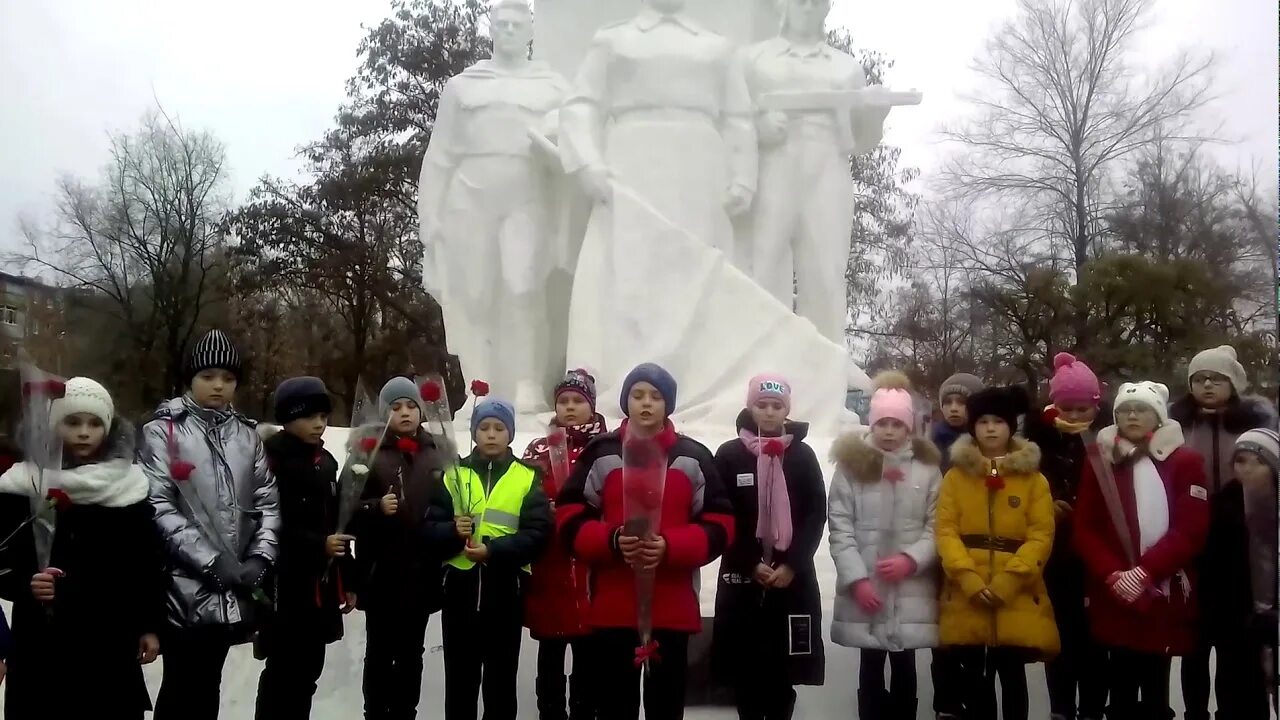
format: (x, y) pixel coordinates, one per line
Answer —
(1205, 378)
(1134, 410)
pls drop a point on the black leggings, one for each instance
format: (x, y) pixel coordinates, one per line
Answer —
(1140, 686)
(550, 684)
(902, 673)
(980, 666)
(192, 673)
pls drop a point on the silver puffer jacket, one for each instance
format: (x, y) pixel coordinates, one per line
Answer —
(228, 504)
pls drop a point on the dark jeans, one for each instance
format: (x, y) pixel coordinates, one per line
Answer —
(482, 633)
(395, 640)
(288, 680)
(948, 692)
(980, 666)
(1240, 682)
(192, 674)
(872, 699)
(1139, 686)
(664, 680)
(550, 684)
(1080, 667)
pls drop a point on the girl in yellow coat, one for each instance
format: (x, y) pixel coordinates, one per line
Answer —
(995, 531)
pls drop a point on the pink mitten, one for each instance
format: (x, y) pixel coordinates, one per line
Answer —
(866, 597)
(897, 568)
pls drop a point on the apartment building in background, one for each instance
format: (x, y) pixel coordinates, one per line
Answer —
(30, 311)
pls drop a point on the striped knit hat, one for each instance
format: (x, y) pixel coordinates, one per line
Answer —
(214, 351)
(1265, 443)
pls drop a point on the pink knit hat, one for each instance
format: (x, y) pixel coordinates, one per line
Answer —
(892, 399)
(768, 385)
(1073, 381)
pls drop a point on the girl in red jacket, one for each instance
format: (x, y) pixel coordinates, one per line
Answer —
(1139, 528)
(555, 609)
(696, 525)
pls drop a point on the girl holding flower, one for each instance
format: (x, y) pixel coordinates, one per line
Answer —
(399, 584)
(105, 545)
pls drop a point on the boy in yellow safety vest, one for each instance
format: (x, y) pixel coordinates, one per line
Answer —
(490, 519)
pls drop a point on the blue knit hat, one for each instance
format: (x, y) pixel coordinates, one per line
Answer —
(398, 388)
(656, 376)
(492, 407)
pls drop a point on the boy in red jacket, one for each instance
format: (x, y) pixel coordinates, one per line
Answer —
(1139, 528)
(696, 526)
(556, 601)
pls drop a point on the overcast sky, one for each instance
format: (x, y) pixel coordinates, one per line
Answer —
(267, 75)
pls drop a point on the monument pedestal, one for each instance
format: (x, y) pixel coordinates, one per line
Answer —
(564, 28)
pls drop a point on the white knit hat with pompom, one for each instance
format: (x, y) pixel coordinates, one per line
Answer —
(84, 395)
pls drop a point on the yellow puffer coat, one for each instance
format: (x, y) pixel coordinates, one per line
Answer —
(997, 539)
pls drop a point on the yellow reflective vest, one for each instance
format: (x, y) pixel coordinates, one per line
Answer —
(496, 513)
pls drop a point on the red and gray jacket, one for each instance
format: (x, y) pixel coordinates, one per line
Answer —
(697, 523)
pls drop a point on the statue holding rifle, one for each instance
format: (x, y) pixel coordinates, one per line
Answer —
(813, 110)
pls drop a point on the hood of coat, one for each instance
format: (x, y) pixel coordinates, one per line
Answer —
(1166, 439)
(1023, 457)
(182, 407)
(798, 430)
(861, 461)
(1240, 414)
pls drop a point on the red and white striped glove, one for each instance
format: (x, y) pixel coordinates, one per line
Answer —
(1130, 584)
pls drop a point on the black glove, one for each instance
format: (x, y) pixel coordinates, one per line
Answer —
(253, 575)
(225, 572)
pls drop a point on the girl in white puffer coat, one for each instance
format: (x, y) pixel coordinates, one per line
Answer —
(881, 517)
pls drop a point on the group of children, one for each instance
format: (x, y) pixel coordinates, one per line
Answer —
(1078, 535)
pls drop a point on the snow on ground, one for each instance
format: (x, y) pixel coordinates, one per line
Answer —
(339, 695)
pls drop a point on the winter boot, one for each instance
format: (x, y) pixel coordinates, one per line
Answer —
(904, 708)
(873, 705)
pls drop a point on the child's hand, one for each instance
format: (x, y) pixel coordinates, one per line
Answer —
(1061, 509)
(350, 602)
(390, 504)
(782, 577)
(42, 584)
(763, 574)
(335, 546)
(866, 596)
(476, 553)
(148, 649)
(652, 552)
(988, 599)
(895, 569)
(464, 525)
(630, 547)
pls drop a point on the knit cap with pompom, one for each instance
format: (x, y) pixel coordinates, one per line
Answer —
(892, 399)
(1073, 382)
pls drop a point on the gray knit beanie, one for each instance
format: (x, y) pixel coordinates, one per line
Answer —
(1221, 360)
(398, 388)
(962, 384)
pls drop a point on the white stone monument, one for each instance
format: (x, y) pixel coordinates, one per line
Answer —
(674, 105)
(487, 204)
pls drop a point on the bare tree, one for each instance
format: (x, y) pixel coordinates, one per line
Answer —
(146, 238)
(1062, 103)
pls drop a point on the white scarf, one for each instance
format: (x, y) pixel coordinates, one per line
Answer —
(117, 482)
(1151, 503)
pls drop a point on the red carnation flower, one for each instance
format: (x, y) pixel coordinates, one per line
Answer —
(52, 389)
(893, 474)
(479, 388)
(181, 470)
(368, 444)
(408, 446)
(557, 437)
(774, 448)
(994, 481)
(1050, 414)
(431, 391)
(59, 498)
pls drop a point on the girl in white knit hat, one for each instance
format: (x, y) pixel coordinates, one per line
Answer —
(93, 614)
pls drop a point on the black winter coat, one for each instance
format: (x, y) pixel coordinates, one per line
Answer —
(753, 625)
(393, 567)
(1062, 461)
(308, 586)
(507, 555)
(1226, 606)
(80, 659)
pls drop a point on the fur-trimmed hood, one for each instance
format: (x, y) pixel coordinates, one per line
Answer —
(861, 461)
(1164, 441)
(1242, 413)
(1023, 457)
